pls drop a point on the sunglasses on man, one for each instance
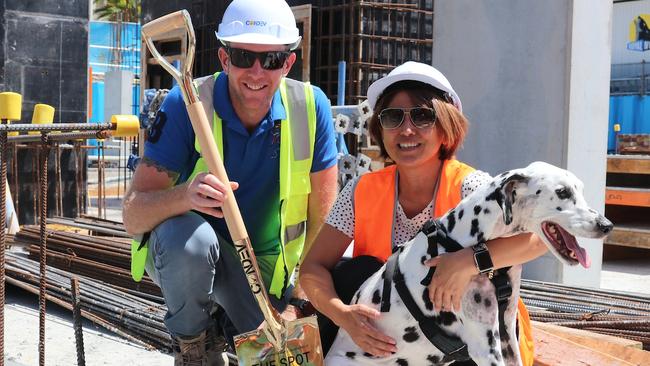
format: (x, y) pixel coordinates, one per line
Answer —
(392, 118)
(269, 60)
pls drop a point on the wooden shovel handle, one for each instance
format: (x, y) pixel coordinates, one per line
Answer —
(210, 154)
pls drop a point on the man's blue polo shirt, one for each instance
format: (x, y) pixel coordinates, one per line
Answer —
(251, 159)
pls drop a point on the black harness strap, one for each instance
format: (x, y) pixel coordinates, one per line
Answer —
(503, 290)
(434, 230)
(388, 278)
(452, 346)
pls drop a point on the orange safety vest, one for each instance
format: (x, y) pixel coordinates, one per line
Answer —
(374, 212)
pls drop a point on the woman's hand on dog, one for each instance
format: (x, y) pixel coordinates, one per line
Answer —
(453, 273)
(357, 320)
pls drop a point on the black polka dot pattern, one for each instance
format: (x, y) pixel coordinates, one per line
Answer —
(341, 216)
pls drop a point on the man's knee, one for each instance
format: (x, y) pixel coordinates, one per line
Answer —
(185, 240)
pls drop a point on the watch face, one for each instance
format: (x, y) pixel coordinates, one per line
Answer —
(483, 260)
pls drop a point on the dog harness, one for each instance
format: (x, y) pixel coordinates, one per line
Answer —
(453, 347)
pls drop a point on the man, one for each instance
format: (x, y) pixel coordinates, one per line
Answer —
(277, 141)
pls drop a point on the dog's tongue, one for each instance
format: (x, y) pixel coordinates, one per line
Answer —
(572, 244)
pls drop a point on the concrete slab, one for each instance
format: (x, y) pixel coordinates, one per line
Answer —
(631, 275)
(101, 347)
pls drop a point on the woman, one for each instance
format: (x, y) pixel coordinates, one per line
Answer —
(418, 124)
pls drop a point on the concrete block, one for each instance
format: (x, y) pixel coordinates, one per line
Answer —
(42, 85)
(74, 8)
(74, 88)
(33, 40)
(118, 95)
(533, 77)
(74, 43)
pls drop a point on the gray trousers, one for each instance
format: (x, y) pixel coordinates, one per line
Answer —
(197, 270)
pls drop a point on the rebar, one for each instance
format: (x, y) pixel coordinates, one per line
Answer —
(101, 203)
(63, 127)
(76, 319)
(78, 176)
(610, 324)
(14, 169)
(59, 180)
(3, 220)
(45, 151)
(609, 312)
(86, 314)
(128, 315)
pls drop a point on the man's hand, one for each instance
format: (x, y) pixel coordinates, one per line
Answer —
(206, 194)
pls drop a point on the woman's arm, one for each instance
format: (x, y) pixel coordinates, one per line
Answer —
(455, 270)
(316, 281)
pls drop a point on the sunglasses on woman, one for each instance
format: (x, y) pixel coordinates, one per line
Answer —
(422, 117)
(269, 60)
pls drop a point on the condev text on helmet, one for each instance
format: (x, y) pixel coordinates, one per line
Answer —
(258, 23)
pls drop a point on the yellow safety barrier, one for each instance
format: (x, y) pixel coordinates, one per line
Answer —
(126, 125)
(10, 108)
(43, 114)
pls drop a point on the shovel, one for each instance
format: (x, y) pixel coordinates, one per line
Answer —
(278, 342)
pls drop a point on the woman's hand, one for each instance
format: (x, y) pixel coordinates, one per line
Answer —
(453, 273)
(206, 193)
(357, 321)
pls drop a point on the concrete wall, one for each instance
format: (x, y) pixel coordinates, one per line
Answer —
(44, 57)
(534, 80)
(624, 14)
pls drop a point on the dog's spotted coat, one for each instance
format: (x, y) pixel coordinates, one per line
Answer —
(523, 200)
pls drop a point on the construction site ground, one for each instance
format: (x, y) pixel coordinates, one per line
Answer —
(624, 269)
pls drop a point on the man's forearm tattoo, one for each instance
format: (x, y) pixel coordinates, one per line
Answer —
(153, 164)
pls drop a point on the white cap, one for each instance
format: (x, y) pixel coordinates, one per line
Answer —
(259, 22)
(413, 71)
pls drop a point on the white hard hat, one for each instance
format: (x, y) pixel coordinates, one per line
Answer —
(413, 71)
(259, 22)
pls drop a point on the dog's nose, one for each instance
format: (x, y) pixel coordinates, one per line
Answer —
(604, 225)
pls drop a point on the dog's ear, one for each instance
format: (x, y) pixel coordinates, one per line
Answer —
(509, 195)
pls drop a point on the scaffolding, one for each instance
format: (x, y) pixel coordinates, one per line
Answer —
(372, 37)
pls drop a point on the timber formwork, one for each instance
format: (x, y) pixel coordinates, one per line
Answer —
(372, 37)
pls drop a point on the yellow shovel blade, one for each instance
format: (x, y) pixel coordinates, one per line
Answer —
(302, 346)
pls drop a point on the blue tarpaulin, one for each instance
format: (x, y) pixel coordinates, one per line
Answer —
(632, 112)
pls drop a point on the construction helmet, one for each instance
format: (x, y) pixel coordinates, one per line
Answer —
(259, 22)
(416, 71)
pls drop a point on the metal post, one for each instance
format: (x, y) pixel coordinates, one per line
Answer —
(3, 220)
(643, 79)
(340, 94)
(45, 151)
(76, 319)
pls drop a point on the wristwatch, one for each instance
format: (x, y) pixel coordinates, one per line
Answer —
(483, 260)
(305, 306)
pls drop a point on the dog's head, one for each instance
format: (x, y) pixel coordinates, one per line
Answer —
(549, 202)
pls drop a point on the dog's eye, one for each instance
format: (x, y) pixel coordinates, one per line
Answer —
(563, 193)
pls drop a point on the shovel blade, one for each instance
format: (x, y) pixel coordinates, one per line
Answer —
(302, 347)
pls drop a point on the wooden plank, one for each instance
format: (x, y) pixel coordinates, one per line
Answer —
(627, 196)
(590, 339)
(628, 164)
(636, 237)
(553, 350)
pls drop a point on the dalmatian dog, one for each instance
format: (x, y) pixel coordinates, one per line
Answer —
(541, 199)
